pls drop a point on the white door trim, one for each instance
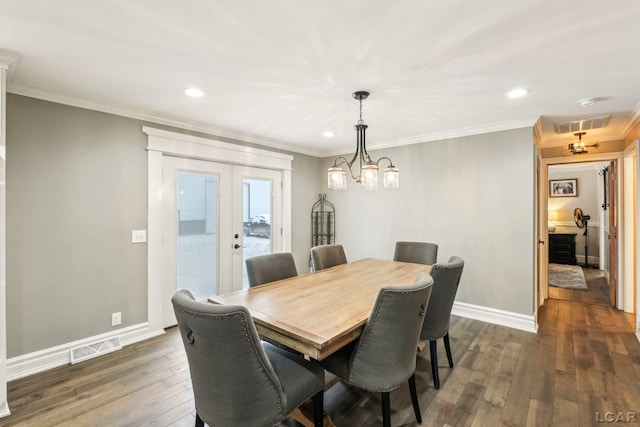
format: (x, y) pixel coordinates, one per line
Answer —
(544, 179)
(630, 217)
(162, 142)
(6, 60)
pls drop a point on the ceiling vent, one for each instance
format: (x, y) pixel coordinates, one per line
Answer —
(582, 125)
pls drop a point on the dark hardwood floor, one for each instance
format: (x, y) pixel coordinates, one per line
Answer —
(597, 293)
(584, 363)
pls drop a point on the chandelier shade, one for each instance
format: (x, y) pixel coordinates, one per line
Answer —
(337, 178)
(580, 147)
(361, 167)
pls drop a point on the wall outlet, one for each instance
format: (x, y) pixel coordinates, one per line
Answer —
(116, 319)
(138, 236)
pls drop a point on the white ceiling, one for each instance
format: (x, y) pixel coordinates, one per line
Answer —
(281, 72)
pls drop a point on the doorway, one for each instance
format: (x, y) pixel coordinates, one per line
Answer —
(214, 217)
(626, 292)
(578, 203)
(214, 178)
(257, 212)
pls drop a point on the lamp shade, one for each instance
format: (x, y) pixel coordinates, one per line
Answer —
(391, 177)
(369, 176)
(337, 178)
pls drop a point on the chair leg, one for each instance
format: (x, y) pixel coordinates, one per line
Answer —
(447, 347)
(414, 398)
(386, 409)
(434, 363)
(318, 408)
(199, 422)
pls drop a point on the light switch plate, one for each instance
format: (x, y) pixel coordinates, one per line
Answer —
(138, 236)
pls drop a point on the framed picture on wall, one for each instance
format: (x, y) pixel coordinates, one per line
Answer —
(563, 187)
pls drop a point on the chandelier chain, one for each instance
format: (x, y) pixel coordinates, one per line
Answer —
(361, 167)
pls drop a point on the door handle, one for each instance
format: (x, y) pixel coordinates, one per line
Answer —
(236, 246)
(541, 242)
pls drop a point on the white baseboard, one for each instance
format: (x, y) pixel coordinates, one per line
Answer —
(43, 360)
(495, 316)
(4, 410)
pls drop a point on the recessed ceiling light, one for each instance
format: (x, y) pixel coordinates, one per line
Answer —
(328, 134)
(194, 92)
(587, 102)
(517, 93)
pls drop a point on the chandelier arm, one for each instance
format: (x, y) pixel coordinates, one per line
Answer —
(351, 173)
(340, 160)
(385, 158)
(336, 164)
(353, 159)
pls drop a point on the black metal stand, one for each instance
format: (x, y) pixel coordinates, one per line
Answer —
(586, 245)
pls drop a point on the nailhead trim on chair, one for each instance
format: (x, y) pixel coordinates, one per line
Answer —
(253, 349)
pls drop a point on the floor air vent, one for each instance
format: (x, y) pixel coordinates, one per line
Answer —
(89, 351)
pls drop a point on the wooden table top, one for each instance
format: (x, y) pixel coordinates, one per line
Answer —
(318, 313)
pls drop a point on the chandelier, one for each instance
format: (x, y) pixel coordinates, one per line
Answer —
(367, 172)
(580, 147)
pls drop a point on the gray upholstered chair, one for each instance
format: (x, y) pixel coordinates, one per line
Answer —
(384, 356)
(446, 278)
(270, 268)
(237, 380)
(326, 256)
(417, 252)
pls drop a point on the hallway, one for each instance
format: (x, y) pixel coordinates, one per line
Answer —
(598, 292)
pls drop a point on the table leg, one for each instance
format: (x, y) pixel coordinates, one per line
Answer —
(304, 415)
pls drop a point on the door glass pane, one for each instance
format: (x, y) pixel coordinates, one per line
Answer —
(197, 242)
(256, 218)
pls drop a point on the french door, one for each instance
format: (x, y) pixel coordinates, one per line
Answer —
(257, 211)
(215, 215)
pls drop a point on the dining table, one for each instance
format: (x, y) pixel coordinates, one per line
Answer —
(320, 312)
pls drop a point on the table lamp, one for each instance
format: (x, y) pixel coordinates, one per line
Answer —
(552, 218)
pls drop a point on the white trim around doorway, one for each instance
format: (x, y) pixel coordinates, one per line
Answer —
(622, 235)
(162, 142)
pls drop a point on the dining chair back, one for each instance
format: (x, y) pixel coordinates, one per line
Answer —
(237, 380)
(416, 252)
(384, 356)
(446, 278)
(326, 256)
(270, 268)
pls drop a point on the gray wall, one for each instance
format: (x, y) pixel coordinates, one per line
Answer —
(305, 188)
(76, 187)
(473, 196)
(77, 183)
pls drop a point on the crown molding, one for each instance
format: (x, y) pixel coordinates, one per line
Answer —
(449, 134)
(632, 121)
(73, 101)
(538, 133)
(8, 62)
(102, 107)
